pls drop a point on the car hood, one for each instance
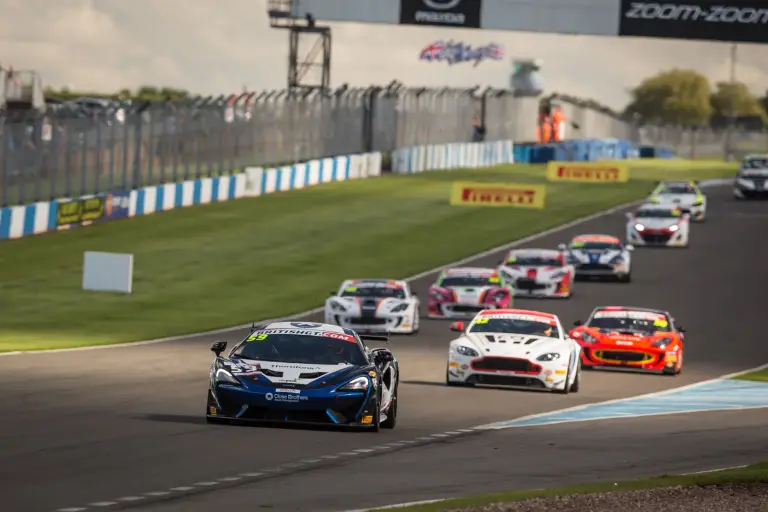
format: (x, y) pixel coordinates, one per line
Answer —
(623, 340)
(582, 256)
(754, 173)
(656, 223)
(285, 373)
(514, 272)
(368, 305)
(684, 200)
(512, 345)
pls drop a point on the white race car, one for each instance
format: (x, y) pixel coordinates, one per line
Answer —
(752, 181)
(514, 347)
(538, 273)
(374, 305)
(685, 195)
(658, 225)
(600, 256)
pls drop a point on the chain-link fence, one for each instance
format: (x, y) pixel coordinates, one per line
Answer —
(68, 151)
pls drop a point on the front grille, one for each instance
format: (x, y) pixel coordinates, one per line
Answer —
(505, 380)
(529, 284)
(367, 320)
(508, 364)
(594, 266)
(656, 238)
(463, 308)
(759, 183)
(270, 414)
(621, 356)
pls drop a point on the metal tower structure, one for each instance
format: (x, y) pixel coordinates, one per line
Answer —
(300, 80)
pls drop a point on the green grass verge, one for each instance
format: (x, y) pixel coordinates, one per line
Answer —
(223, 264)
(754, 473)
(757, 376)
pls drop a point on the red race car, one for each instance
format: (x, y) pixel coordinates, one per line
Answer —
(632, 338)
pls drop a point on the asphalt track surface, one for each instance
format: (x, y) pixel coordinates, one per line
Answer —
(81, 428)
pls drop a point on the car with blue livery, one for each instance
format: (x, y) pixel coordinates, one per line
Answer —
(304, 372)
(599, 257)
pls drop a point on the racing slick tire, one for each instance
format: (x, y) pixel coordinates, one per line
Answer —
(577, 381)
(391, 420)
(376, 417)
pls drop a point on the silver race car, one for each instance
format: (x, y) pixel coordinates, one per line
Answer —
(600, 256)
(374, 306)
(752, 181)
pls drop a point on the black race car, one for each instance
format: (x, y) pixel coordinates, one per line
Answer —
(304, 372)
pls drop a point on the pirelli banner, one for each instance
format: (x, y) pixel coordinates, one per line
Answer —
(514, 195)
(591, 172)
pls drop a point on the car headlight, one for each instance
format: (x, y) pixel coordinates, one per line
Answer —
(466, 351)
(639, 227)
(662, 343)
(674, 228)
(439, 296)
(337, 307)
(357, 384)
(399, 307)
(746, 183)
(588, 338)
(698, 202)
(226, 378)
(551, 356)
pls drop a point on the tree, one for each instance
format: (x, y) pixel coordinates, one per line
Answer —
(679, 96)
(146, 93)
(764, 102)
(738, 97)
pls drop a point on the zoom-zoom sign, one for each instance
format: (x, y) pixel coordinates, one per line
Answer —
(744, 21)
(441, 13)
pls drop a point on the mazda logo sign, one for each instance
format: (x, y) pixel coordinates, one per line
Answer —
(441, 5)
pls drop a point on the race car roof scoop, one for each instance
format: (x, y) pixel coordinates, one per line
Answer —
(270, 373)
(490, 337)
(313, 375)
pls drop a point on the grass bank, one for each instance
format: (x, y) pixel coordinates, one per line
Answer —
(222, 264)
(754, 473)
(756, 376)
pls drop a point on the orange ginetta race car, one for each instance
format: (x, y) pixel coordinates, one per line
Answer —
(630, 338)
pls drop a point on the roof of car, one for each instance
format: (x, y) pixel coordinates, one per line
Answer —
(470, 271)
(529, 312)
(608, 239)
(374, 282)
(630, 308)
(661, 207)
(534, 252)
(302, 326)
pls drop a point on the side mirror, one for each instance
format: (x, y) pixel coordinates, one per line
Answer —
(680, 328)
(384, 356)
(217, 347)
(562, 247)
(457, 326)
(578, 323)
(332, 293)
(414, 293)
(629, 247)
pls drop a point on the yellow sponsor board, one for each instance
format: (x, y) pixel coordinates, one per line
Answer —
(594, 172)
(516, 195)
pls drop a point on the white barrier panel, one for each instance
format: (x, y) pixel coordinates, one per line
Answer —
(260, 181)
(452, 156)
(108, 272)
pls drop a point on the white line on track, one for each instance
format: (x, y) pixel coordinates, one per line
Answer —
(717, 470)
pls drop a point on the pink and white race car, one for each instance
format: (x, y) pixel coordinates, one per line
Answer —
(464, 292)
(538, 273)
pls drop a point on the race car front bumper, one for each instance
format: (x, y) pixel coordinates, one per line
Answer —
(276, 405)
(396, 324)
(505, 371)
(748, 189)
(646, 359)
(658, 239)
(458, 311)
(525, 287)
(617, 271)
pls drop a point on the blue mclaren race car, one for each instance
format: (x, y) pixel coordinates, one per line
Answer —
(302, 372)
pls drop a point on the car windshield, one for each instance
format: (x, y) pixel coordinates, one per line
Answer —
(755, 163)
(678, 188)
(657, 214)
(514, 326)
(468, 281)
(320, 348)
(534, 261)
(374, 291)
(596, 246)
(630, 322)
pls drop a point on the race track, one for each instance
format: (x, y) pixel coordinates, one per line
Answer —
(91, 427)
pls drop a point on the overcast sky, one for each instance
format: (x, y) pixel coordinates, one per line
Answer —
(218, 46)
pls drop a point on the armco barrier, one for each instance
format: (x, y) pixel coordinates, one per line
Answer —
(451, 156)
(42, 217)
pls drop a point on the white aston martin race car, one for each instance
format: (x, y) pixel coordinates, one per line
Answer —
(600, 256)
(374, 305)
(658, 225)
(514, 347)
(752, 181)
(538, 273)
(685, 195)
